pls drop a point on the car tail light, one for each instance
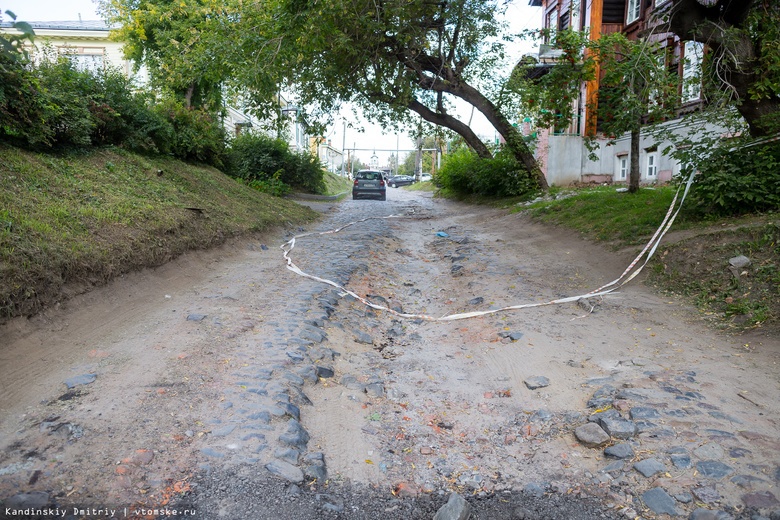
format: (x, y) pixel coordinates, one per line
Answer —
(381, 183)
(355, 183)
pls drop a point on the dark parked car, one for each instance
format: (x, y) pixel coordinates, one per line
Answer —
(369, 183)
(400, 180)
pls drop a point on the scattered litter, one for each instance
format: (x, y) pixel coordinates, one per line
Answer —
(442, 234)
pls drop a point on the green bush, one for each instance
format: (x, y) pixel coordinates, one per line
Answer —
(66, 92)
(198, 135)
(22, 109)
(734, 181)
(266, 162)
(466, 173)
(55, 104)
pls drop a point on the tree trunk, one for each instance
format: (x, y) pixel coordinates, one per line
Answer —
(634, 175)
(496, 118)
(710, 23)
(453, 124)
(188, 96)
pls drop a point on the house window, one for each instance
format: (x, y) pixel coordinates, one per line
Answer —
(622, 167)
(85, 58)
(652, 165)
(693, 53)
(634, 9)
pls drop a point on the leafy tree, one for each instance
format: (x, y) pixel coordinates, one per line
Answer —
(743, 64)
(636, 88)
(185, 44)
(396, 57)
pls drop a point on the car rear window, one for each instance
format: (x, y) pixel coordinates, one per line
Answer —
(369, 176)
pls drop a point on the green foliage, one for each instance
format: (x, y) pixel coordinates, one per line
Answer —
(57, 105)
(13, 45)
(198, 134)
(66, 93)
(268, 164)
(185, 44)
(547, 93)
(739, 180)
(465, 173)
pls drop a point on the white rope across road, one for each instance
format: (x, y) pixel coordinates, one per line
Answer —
(629, 274)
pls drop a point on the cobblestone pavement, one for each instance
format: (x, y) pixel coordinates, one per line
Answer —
(230, 386)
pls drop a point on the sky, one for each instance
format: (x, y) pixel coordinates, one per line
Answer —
(520, 16)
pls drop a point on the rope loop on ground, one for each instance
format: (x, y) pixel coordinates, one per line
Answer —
(631, 272)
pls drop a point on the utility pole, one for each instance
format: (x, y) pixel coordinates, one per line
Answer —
(343, 145)
(397, 158)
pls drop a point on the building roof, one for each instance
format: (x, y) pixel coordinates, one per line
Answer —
(67, 25)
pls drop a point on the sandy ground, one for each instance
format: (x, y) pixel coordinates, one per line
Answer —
(455, 415)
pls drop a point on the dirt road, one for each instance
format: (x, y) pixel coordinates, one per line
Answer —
(226, 386)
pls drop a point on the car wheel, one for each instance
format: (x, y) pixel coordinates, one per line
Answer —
(393, 185)
(384, 197)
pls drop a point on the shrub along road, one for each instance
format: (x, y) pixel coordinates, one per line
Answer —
(226, 384)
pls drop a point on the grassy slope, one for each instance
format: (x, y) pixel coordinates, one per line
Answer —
(84, 219)
(695, 267)
(336, 185)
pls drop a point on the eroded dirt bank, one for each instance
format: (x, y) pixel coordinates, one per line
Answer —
(225, 383)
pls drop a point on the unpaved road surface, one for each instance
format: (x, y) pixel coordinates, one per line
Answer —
(223, 385)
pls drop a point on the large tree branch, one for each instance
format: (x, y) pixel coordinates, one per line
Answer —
(453, 124)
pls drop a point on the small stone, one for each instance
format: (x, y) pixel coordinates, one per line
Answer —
(476, 301)
(681, 460)
(324, 371)
(211, 452)
(649, 467)
(760, 500)
(142, 457)
(619, 428)
(706, 494)
(713, 469)
(536, 382)
(295, 436)
(426, 450)
(684, 498)
(706, 514)
(316, 471)
(515, 336)
(83, 379)
(533, 489)
(660, 502)
(295, 356)
(196, 317)
(739, 262)
(643, 412)
(224, 431)
(620, 451)
(286, 471)
(456, 508)
(375, 389)
(362, 337)
(591, 435)
(288, 455)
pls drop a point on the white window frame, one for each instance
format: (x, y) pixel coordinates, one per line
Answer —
(633, 11)
(651, 171)
(91, 59)
(622, 167)
(693, 53)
